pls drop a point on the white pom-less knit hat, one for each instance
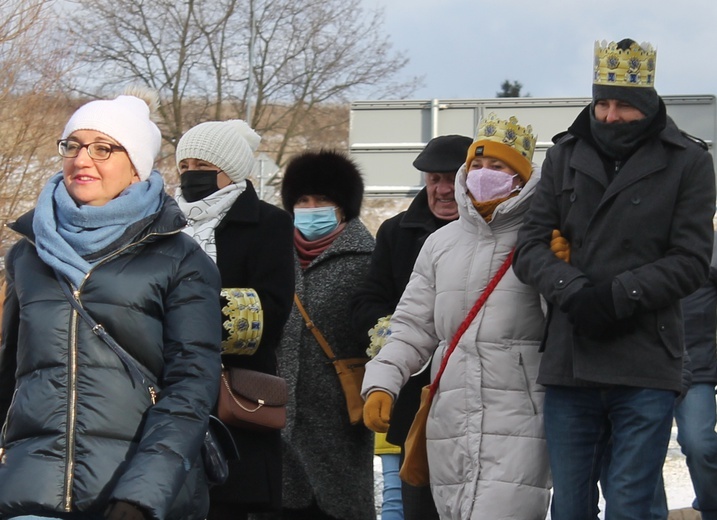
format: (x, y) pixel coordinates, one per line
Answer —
(126, 120)
(228, 145)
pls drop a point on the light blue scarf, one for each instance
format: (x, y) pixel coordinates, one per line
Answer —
(65, 233)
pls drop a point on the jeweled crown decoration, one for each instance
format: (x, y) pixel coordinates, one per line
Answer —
(631, 67)
(508, 132)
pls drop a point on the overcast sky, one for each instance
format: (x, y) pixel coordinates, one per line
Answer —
(467, 48)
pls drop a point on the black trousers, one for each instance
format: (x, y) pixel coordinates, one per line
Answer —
(417, 501)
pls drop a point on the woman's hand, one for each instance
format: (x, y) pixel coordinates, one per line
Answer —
(377, 411)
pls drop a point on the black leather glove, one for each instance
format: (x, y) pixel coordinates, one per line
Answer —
(125, 511)
(591, 310)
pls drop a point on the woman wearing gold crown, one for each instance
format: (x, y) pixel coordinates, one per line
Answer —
(486, 448)
(634, 199)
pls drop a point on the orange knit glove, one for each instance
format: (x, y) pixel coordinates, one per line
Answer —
(377, 411)
(560, 246)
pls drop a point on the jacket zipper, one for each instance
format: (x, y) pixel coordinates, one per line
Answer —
(72, 375)
(527, 383)
(71, 410)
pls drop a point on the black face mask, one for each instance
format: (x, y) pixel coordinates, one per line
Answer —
(198, 184)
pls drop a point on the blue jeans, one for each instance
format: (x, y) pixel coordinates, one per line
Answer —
(696, 417)
(579, 422)
(392, 507)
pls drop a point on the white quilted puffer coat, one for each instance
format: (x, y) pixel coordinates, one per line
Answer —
(486, 445)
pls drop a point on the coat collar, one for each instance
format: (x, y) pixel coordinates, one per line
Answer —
(418, 215)
(245, 209)
(505, 215)
(650, 156)
(354, 239)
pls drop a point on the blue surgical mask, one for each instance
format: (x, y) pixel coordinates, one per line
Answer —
(315, 223)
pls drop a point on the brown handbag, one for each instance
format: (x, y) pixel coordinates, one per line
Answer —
(252, 400)
(349, 370)
(414, 470)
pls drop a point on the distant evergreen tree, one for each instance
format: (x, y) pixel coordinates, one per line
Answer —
(510, 89)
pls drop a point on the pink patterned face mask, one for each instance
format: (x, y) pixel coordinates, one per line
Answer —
(485, 184)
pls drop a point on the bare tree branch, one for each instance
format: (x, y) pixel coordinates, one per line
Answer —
(307, 53)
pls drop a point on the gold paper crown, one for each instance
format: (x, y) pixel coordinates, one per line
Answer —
(505, 140)
(508, 132)
(244, 323)
(631, 67)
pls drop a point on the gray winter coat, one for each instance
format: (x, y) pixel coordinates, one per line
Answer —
(649, 231)
(487, 453)
(325, 457)
(78, 432)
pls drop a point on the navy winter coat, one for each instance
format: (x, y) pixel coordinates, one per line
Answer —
(78, 433)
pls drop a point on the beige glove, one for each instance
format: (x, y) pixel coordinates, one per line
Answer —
(377, 411)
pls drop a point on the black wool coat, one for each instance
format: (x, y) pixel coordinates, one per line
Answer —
(649, 233)
(398, 242)
(255, 250)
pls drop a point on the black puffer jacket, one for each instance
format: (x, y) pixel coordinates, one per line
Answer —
(78, 434)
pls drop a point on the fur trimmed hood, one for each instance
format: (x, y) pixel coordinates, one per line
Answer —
(325, 172)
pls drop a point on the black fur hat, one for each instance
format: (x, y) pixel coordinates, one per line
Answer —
(326, 172)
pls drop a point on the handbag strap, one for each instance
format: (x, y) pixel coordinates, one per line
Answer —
(469, 318)
(131, 364)
(314, 330)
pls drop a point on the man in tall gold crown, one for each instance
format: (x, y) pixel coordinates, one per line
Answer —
(631, 198)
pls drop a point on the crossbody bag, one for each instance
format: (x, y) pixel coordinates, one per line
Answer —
(349, 370)
(218, 443)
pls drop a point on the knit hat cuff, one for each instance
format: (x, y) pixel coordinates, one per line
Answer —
(237, 170)
(509, 155)
(645, 99)
(228, 145)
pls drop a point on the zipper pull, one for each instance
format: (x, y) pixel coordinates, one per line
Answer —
(152, 394)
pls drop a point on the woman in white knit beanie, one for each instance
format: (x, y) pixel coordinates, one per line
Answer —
(251, 242)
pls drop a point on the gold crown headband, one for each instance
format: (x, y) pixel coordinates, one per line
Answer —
(508, 132)
(631, 67)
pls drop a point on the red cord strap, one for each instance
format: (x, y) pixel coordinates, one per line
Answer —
(467, 321)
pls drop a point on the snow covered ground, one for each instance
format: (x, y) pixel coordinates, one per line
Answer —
(677, 479)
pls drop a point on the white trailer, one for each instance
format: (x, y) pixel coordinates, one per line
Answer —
(386, 136)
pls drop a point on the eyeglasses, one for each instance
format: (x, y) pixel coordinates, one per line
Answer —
(97, 151)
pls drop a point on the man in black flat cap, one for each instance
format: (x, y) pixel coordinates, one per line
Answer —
(398, 242)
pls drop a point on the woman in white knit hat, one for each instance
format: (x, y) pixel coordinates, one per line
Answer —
(94, 431)
(251, 242)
